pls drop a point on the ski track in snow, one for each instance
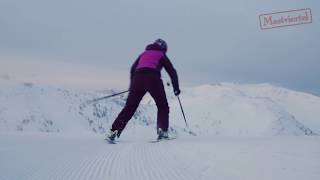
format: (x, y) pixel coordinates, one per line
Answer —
(125, 160)
(56, 156)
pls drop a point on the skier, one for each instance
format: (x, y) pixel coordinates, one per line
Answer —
(145, 77)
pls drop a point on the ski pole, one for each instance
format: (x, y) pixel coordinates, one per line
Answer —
(106, 97)
(183, 112)
(168, 84)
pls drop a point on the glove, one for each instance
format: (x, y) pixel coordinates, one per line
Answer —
(177, 92)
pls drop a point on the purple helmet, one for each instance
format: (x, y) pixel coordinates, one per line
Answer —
(162, 44)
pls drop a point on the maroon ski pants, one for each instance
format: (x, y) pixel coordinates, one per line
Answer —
(140, 85)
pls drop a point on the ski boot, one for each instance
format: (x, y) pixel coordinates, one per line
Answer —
(111, 136)
(162, 134)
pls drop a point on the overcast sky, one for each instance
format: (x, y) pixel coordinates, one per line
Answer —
(92, 44)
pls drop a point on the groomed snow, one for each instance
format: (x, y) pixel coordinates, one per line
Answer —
(46, 156)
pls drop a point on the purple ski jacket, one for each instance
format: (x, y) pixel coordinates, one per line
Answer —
(152, 60)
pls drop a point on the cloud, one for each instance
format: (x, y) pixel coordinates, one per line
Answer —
(209, 41)
(56, 72)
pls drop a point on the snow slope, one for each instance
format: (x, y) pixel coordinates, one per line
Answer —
(53, 156)
(244, 132)
(229, 109)
(224, 109)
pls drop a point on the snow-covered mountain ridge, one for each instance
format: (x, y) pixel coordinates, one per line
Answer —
(224, 109)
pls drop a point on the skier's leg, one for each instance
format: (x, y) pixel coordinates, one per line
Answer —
(136, 93)
(157, 91)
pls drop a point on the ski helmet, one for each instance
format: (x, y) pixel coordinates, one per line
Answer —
(162, 44)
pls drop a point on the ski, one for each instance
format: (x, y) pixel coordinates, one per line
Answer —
(109, 141)
(160, 140)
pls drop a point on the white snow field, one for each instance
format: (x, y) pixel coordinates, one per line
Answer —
(46, 156)
(236, 132)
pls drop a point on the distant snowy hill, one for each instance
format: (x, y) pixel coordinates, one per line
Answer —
(224, 109)
(250, 110)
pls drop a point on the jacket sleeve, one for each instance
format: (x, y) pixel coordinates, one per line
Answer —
(133, 68)
(172, 73)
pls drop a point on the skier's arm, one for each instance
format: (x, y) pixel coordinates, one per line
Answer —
(173, 75)
(133, 68)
